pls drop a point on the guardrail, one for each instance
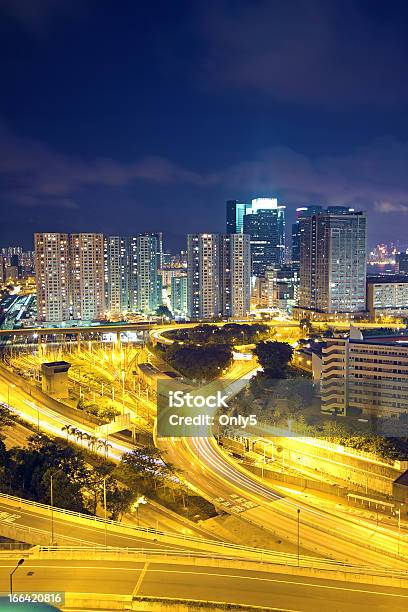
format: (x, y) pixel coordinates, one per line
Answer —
(272, 558)
(221, 548)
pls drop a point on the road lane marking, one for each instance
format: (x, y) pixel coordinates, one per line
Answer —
(239, 576)
(140, 579)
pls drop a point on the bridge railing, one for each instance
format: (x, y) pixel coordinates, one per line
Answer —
(275, 558)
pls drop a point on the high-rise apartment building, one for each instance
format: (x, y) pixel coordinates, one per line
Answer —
(332, 263)
(52, 276)
(87, 276)
(219, 275)
(117, 275)
(203, 252)
(264, 222)
(235, 216)
(147, 263)
(179, 295)
(235, 275)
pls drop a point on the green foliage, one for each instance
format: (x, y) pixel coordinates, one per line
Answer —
(198, 362)
(6, 418)
(230, 333)
(274, 357)
(163, 311)
(143, 464)
(104, 409)
(75, 485)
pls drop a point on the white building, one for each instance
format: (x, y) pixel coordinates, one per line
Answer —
(52, 276)
(366, 375)
(387, 296)
(87, 276)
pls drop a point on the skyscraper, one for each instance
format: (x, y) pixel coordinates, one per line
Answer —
(87, 276)
(52, 276)
(235, 216)
(147, 263)
(117, 274)
(203, 253)
(333, 261)
(179, 295)
(264, 221)
(235, 275)
(303, 211)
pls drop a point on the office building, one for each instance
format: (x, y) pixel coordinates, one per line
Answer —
(401, 261)
(87, 276)
(332, 264)
(235, 216)
(203, 254)
(387, 296)
(179, 295)
(117, 275)
(282, 286)
(303, 211)
(368, 376)
(148, 296)
(235, 275)
(264, 222)
(52, 276)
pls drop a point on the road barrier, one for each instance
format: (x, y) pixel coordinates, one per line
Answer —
(216, 548)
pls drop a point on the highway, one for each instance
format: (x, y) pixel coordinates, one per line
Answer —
(234, 490)
(284, 592)
(213, 474)
(80, 530)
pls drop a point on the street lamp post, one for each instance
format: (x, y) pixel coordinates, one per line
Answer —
(298, 536)
(399, 529)
(20, 562)
(104, 508)
(52, 509)
(140, 500)
(123, 391)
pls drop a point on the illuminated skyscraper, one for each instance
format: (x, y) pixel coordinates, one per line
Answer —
(303, 211)
(147, 264)
(203, 252)
(235, 275)
(179, 295)
(52, 276)
(235, 216)
(333, 261)
(117, 274)
(264, 221)
(87, 276)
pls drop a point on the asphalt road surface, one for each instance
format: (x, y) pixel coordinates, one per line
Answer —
(276, 591)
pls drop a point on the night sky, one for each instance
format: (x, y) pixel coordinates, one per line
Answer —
(130, 116)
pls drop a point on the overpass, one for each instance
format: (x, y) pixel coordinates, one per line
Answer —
(117, 579)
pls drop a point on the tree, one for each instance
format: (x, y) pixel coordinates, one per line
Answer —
(274, 358)
(119, 501)
(5, 416)
(66, 491)
(163, 311)
(199, 362)
(306, 325)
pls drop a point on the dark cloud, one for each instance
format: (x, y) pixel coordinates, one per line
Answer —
(330, 53)
(373, 177)
(33, 174)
